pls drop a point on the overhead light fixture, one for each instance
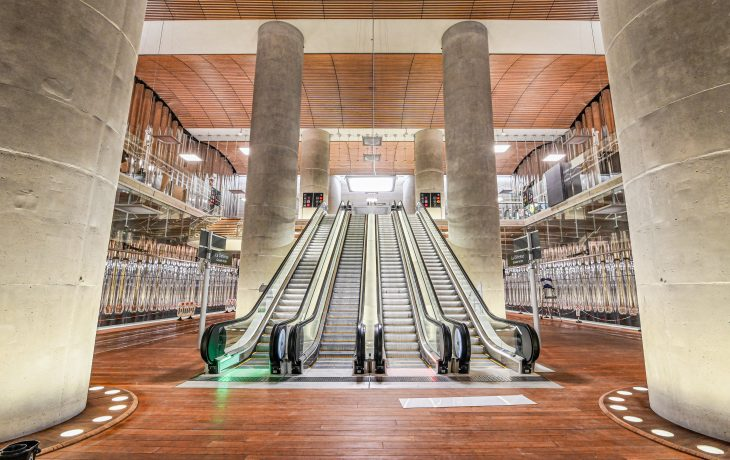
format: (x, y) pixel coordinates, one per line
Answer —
(554, 157)
(370, 183)
(245, 150)
(191, 157)
(372, 141)
(501, 148)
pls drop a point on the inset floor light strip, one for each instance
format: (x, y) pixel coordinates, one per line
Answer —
(468, 401)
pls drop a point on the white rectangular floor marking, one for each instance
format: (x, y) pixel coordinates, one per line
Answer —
(467, 401)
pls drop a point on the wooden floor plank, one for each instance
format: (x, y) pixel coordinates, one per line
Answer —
(217, 423)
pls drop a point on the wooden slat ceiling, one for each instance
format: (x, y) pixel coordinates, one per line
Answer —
(347, 157)
(529, 91)
(365, 9)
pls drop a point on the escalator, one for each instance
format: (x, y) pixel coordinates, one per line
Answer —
(291, 299)
(448, 298)
(494, 341)
(246, 340)
(337, 343)
(401, 343)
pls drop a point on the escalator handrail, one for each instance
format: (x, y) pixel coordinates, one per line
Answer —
(209, 330)
(416, 289)
(317, 269)
(524, 328)
(321, 301)
(360, 328)
(430, 282)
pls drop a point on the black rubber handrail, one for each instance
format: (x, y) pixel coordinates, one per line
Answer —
(274, 359)
(379, 332)
(461, 328)
(360, 327)
(214, 329)
(443, 365)
(534, 351)
(295, 340)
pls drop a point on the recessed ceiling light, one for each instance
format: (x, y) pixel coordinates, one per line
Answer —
(624, 393)
(111, 392)
(102, 419)
(245, 150)
(370, 183)
(632, 419)
(191, 157)
(501, 148)
(72, 433)
(124, 398)
(118, 407)
(617, 407)
(554, 157)
(641, 389)
(96, 388)
(611, 398)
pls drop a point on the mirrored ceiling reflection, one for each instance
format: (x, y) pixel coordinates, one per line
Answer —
(137, 216)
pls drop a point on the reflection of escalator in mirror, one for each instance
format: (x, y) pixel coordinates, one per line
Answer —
(337, 346)
(402, 348)
(448, 298)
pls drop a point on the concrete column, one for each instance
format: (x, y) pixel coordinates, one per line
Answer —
(429, 172)
(314, 164)
(409, 194)
(471, 165)
(668, 68)
(335, 194)
(271, 187)
(65, 89)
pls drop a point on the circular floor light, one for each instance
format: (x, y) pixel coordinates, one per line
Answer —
(124, 398)
(632, 419)
(624, 393)
(118, 407)
(710, 449)
(102, 419)
(617, 407)
(96, 388)
(111, 392)
(72, 433)
(610, 398)
(641, 389)
(662, 433)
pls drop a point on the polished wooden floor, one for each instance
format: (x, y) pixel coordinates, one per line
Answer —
(192, 423)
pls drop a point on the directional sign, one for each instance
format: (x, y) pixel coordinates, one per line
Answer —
(220, 258)
(518, 258)
(525, 248)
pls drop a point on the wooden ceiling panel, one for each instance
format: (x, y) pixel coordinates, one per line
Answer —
(528, 91)
(365, 9)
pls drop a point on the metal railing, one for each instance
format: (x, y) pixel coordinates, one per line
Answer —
(597, 287)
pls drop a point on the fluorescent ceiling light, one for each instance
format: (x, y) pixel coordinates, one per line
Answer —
(501, 148)
(371, 183)
(190, 157)
(372, 141)
(554, 157)
(245, 150)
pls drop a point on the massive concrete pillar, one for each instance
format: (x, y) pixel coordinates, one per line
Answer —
(314, 165)
(271, 187)
(668, 67)
(409, 194)
(429, 172)
(335, 193)
(65, 87)
(470, 162)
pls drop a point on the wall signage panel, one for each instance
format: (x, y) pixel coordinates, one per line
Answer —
(431, 200)
(312, 200)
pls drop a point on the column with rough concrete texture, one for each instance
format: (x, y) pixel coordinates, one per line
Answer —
(271, 187)
(314, 165)
(429, 171)
(668, 67)
(65, 87)
(334, 195)
(409, 194)
(470, 163)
